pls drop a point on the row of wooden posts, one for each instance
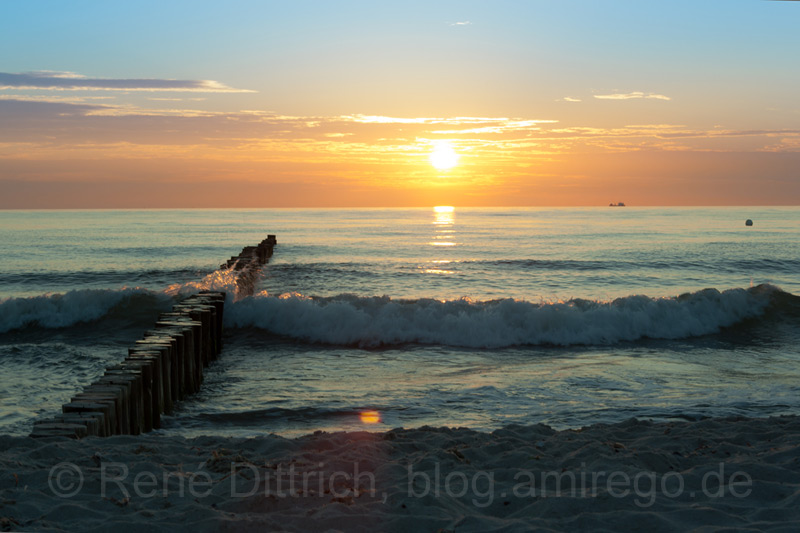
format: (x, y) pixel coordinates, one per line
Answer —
(162, 368)
(248, 264)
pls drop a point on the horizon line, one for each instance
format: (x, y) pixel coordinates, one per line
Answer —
(392, 207)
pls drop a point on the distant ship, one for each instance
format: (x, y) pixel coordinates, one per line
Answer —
(618, 204)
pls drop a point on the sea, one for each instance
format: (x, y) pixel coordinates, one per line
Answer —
(372, 319)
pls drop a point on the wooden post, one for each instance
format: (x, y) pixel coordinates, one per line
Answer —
(169, 346)
(185, 338)
(94, 422)
(135, 395)
(107, 407)
(195, 313)
(161, 336)
(150, 413)
(59, 429)
(205, 309)
(100, 392)
(218, 300)
(95, 426)
(161, 353)
(156, 384)
(199, 331)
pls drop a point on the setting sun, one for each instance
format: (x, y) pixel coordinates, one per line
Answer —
(443, 157)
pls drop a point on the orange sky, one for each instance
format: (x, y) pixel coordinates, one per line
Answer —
(641, 110)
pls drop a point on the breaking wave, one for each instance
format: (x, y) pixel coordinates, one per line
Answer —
(371, 322)
(382, 321)
(73, 307)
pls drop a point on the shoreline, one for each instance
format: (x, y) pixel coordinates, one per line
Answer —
(711, 473)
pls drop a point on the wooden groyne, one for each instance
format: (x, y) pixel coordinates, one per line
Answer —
(248, 263)
(162, 368)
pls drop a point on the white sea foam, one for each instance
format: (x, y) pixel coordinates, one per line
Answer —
(61, 310)
(218, 280)
(376, 321)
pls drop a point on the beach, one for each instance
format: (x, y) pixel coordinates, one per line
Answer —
(711, 475)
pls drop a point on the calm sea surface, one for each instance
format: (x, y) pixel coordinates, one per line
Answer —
(462, 317)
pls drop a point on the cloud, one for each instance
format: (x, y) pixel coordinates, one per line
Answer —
(495, 126)
(62, 98)
(38, 130)
(656, 126)
(631, 96)
(570, 99)
(70, 81)
(461, 23)
(31, 110)
(378, 119)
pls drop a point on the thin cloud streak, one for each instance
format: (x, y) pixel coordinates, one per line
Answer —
(375, 119)
(70, 81)
(631, 96)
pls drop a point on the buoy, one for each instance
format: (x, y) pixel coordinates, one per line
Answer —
(748, 222)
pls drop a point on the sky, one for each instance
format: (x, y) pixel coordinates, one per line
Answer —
(341, 104)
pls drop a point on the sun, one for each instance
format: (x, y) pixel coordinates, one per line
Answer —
(443, 156)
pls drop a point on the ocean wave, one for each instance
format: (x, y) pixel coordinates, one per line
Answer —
(382, 321)
(86, 277)
(219, 280)
(73, 307)
(729, 265)
(88, 305)
(734, 266)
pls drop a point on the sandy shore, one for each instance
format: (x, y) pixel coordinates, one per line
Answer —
(717, 474)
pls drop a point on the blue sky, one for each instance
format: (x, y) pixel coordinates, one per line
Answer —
(525, 52)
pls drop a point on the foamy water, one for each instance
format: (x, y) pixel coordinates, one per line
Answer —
(474, 317)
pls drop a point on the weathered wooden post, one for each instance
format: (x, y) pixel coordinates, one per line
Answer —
(161, 354)
(135, 395)
(155, 383)
(94, 422)
(198, 332)
(104, 392)
(185, 337)
(149, 416)
(57, 428)
(167, 347)
(107, 407)
(177, 358)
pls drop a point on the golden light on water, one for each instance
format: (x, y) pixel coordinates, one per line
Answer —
(443, 220)
(370, 417)
(443, 157)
